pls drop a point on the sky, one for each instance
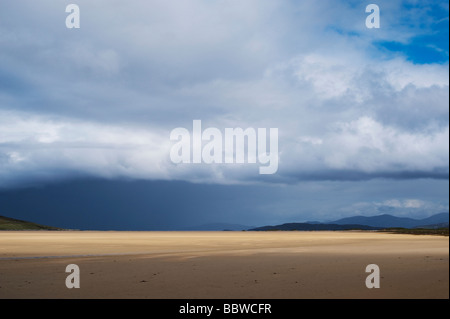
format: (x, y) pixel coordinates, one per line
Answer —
(86, 114)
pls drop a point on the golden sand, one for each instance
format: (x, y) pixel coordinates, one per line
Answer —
(222, 264)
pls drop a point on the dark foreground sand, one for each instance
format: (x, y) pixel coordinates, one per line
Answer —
(222, 264)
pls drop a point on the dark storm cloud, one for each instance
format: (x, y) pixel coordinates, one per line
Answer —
(162, 205)
(355, 176)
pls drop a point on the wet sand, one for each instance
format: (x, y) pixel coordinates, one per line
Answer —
(230, 265)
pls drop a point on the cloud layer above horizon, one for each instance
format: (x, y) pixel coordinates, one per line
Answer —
(350, 103)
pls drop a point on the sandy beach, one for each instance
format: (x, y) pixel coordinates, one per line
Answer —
(227, 265)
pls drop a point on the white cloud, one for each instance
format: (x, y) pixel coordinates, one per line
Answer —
(414, 203)
(102, 100)
(367, 145)
(31, 145)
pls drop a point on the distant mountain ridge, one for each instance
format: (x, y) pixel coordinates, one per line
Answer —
(350, 223)
(434, 226)
(365, 223)
(386, 220)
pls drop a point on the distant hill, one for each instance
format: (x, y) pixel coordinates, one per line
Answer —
(386, 221)
(434, 226)
(218, 227)
(365, 223)
(7, 223)
(313, 227)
